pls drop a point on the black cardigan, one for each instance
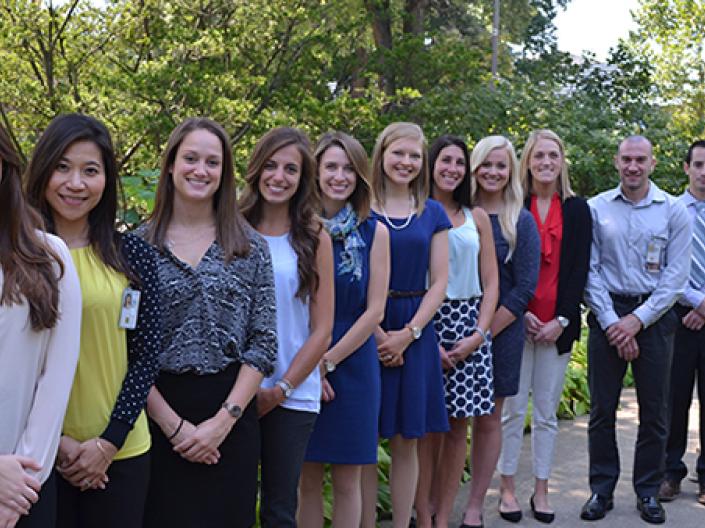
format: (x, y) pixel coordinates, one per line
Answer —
(573, 268)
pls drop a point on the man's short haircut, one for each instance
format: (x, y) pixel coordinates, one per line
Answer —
(637, 138)
(698, 143)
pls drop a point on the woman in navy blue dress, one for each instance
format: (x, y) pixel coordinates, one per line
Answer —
(497, 189)
(345, 434)
(413, 402)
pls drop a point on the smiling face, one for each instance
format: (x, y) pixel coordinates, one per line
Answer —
(336, 175)
(545, 163)
(280, 175)
(492, 175)
(402, 161)
(449, 169)
(198, 166)
(635, 163)
(76, 185)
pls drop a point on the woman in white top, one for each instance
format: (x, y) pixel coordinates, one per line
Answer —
(462, 325)
(280, 202)
(40, 319)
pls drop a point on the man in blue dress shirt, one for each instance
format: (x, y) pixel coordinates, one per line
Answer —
(689, 356)
(639, 267)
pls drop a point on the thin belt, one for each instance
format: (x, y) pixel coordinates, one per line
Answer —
(397, 294)
(638, 298)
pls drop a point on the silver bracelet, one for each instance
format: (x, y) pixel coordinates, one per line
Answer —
(482, 333)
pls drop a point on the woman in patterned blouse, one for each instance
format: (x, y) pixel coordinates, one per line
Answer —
(219, 337)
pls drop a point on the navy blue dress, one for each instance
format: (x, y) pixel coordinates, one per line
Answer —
(346, 428)
(517, 283)
(413, 397)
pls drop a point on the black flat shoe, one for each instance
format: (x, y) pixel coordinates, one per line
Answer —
(651, 510)
(596, 507)
(510, 516)
(544, 517)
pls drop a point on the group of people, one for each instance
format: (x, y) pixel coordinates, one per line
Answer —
(233, 347)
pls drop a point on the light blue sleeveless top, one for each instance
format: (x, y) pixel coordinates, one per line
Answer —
(464, 264)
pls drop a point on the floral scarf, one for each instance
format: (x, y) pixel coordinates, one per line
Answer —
(343, 226)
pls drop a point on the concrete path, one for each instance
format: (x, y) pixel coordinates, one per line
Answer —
(569, 482)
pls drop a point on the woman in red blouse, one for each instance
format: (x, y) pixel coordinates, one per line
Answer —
(552, 318)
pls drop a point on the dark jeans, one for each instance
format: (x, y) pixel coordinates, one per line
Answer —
(688, 365)
(119, 505)
(284, 434)
(651, 371)
(42, 514)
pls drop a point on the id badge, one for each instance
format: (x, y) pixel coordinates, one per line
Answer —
(129, 308)
(654, 253)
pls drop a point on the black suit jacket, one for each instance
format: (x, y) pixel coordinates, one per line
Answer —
(573, 268)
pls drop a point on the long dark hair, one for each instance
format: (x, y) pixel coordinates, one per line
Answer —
(28, 263)
(229, 223)
(462, 193)
(62, 132)
(305, 226)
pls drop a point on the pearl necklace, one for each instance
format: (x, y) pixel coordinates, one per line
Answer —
(406, 222)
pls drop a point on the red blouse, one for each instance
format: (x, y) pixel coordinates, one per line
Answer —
(543, 305)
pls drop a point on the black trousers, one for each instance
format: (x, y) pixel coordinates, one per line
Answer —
(651, 371)
(119, 505)
(284, 435)
(42, 514)
(688, 365)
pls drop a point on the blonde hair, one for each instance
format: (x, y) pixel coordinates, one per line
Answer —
(511, 195)
(564, 190)
(419, 187)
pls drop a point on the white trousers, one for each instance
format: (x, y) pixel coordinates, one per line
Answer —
(542, 374)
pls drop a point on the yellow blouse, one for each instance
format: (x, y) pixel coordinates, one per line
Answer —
(102, 363)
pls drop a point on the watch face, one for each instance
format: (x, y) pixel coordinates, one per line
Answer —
(416, 331)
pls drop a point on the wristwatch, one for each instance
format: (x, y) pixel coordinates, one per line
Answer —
(563, 321)
(329, 365)
(233, 409)
(415, 331)
(286, 387)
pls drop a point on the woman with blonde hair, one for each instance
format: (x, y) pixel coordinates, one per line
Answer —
(413, 402)
(553, 316)
(345, 434)
(280, 202)
(496, 188)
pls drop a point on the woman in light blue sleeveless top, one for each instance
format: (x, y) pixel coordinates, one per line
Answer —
(462, 326)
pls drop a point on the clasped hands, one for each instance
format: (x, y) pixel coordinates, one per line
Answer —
(18, 489)
(85, 464)
(391, 346)
(199, 443)
(622, 335)
(539, 332)
(695, 318)
(460, 350)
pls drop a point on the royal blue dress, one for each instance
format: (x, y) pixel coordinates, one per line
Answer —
(346, 428)
(413, 397)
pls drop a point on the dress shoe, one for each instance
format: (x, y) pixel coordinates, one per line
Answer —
(596, 507)
(544, 517)
(510, 516)
(701, 494)
(651, 510)
(668, 490)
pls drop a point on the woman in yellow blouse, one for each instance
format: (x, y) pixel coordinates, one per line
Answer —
(103, 458)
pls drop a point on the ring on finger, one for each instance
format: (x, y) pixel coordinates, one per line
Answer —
(86, 482)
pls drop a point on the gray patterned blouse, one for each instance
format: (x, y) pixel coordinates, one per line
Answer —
(216, 314)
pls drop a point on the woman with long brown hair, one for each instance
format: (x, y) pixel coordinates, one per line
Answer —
(219, 337)
(40, 317)
(345, 434)
(280, 202)
(103, 461)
